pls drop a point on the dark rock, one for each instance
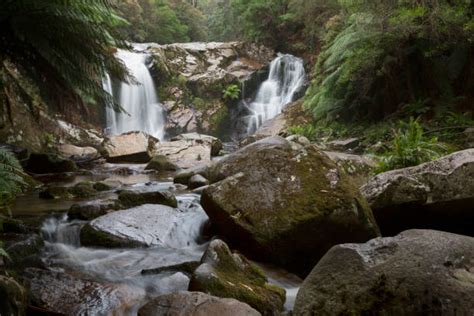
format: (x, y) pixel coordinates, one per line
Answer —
(229, 275)
(63, 293)
(161, 163)
(132, 198)
(196, 304)
(89, 211)
(285, 206)
(419, 272)
(49, 163)
(344, 145)
(185, 267)
(197, 181)
(435, 195)
(13, 298)
(25, 252)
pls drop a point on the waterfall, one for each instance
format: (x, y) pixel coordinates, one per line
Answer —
(287, 77)
(140, 101)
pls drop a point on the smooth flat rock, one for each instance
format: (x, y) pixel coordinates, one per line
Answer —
(134, 147)
(142, 226)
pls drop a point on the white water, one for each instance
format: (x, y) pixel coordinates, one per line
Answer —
(140, 101)
(124, 266)
(287, 76)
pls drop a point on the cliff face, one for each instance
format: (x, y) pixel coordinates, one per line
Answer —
(191, 79)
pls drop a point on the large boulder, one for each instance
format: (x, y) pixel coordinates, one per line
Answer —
(286, 204)
(359, 168)
(13, 296)
(225, 274)
(161, 163)
(49, 163)
(189, 150)
(436, 195)
(195, 304)
(134, 147)
(63, 293)
(419, 272)
(78, 153)
(146, 225)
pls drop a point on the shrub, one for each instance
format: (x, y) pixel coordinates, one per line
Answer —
(410, 147)
(231, 92)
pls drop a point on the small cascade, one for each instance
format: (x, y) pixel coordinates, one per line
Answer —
(140, 100)
(286, 78)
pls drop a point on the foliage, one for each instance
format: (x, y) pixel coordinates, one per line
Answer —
(3, 253)
(410, 147)
(12, 179)
(162, 21)
(306, 130)
(383, 55)
(62, 46)
(231, 92)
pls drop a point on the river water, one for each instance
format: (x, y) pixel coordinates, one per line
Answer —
(184, 241)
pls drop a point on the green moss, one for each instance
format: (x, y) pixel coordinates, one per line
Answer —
(161, 163)
(218, 119)
(93, 237)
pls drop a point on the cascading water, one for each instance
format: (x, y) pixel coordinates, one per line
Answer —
(140, 101)
(286, 78)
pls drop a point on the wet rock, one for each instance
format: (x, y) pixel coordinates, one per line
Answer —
(80, 190)
(344, 145)
(435, 195)
(161, 163)
(13, 296)
(359, 168)
(76, 153)
(197, 181)
(184, 176)
(196, 304)
(134, 147)
(24, 252)
(60, 292)
(419, 272)
(468, 136)
(49, 163)
(146, 225)
(285, 206)
(185, 267)
(134, 198)
(189, 150)
(106, 185)
(91, 210)
(229, 275)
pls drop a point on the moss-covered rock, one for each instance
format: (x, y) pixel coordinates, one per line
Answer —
(130, 199)
(419, 272)
(161, 163)
(93, 237)
(229, 275)
(286, 204)
(24, 252)
(13, 298)
(80, 190)
(83, 190)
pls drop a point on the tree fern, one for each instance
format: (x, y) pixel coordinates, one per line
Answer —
(61, 45)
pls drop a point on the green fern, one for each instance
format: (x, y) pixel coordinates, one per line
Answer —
(12, 179)
(410, 147)
(63, 46)
(3, 253)
(231, 92)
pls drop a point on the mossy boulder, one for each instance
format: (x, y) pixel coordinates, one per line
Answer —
(91, 236)
(419, 272)
(229, 275)
(129, 198)
(13, 298)
(49, 163)
(24, 252)
(91, 210)
(161, 163)
(285, 203)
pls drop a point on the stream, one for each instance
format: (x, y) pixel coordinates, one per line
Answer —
(184, 242)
